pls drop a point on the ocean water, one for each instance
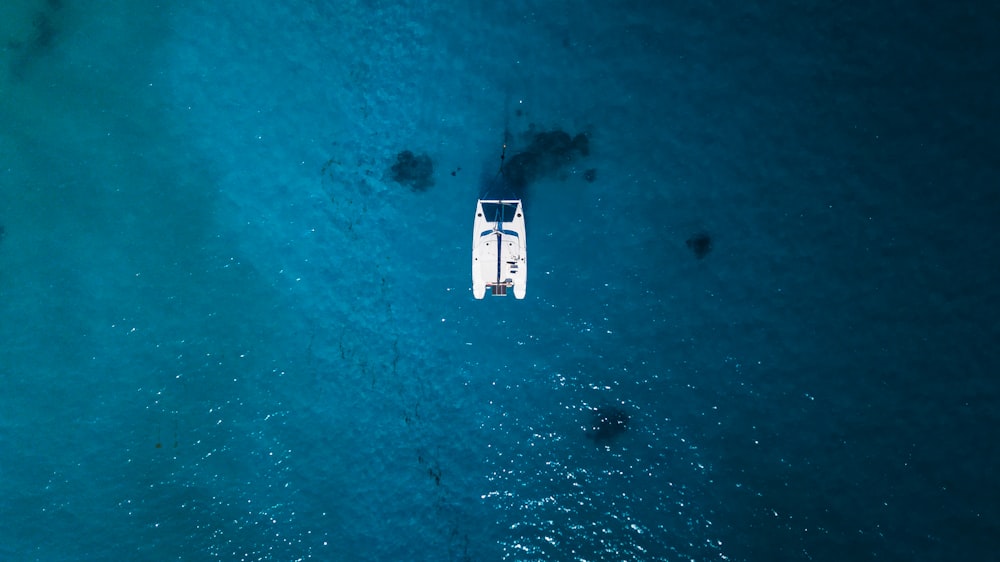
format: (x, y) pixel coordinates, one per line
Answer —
(227, 333)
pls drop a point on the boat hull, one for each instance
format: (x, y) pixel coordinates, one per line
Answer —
(499, 249)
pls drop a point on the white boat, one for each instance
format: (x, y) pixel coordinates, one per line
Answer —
(499, 249)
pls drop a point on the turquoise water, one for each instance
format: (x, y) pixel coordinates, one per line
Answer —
(227, 333)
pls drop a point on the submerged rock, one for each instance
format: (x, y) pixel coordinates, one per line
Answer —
(412, 170)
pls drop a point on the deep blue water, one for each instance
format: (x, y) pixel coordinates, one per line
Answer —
(227, 333)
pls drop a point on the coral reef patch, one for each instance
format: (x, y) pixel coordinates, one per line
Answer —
(547, 153)
(414, 171)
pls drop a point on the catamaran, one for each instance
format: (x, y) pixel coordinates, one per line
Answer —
(499, 249)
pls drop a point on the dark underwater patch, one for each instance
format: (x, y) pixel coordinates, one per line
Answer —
(546, 154)
(44, 33)
(700, 244)
(607, 423)
(412, 170)
(25, 50)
